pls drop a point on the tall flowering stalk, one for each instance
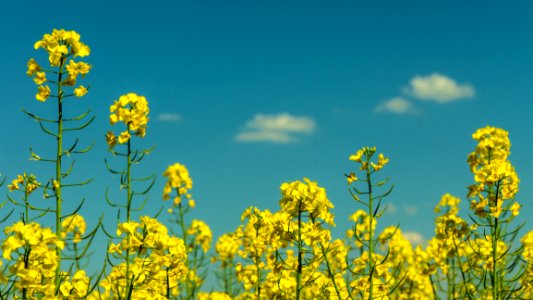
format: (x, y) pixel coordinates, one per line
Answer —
(306, 208)
(449, 249)
(376, 281)
(153, 262)
(197, 235)
(493, 206)
(131, 110)
(226, 249)
(63, 49)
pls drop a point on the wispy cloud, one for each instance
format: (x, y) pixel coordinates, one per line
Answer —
(280, 128)
(169, 117)
(410, 209)
(414, 237)
(439, 88)
(397, 106)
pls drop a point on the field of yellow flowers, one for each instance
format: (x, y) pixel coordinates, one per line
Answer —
(285, 254)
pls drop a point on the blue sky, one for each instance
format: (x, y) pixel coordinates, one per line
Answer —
(250, 94)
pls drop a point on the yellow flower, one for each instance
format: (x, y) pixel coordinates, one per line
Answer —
(33, 67)
(357, 156)
(75, 68)
(43, 94)
(40, 78)
(15, 183)
(203, 234)
(73, 224)
(123, 137)
(382, 161)
(61, 43)
(179, 179)
(351, 178)
(29, 183)
(80, 91)
(515, 209)
(111, 139)
(132, 110)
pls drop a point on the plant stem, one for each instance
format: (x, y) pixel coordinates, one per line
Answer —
(128, 209)
(299, 242)
(330, 272)
(59, 155)
(370, 234)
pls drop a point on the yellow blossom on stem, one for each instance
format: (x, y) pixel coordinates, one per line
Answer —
(43, 93)
(202, 234)
(80, 91)
(123, 137)
(179, 179)
(28, 182)
(73, 224)
(111, 139)
(40, 78)
(33, 67)
(351, 178)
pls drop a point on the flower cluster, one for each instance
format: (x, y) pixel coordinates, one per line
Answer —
(74, 224)
(363, 157)
(496, 179)
(60, 46)
(132, 110)
(226, 248)
(33, 250)
(77, 287)
(178, 178)
(306, 196)
(202, 234)
(158, 265)
(527, 279)
(28, 182)
(62, 43)
(364, 226)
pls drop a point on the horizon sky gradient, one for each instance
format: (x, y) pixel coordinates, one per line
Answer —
(249, 95)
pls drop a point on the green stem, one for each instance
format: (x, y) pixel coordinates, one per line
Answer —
(184, 235)
(27, 251)
(451, 279)
(128, 209)
(495, 237)
(226, 280)
(27, 207)
(330, 272)
(182, 225)
(463, 276)
(168, 285)
(299, 243)
(128, 174)
(370, 234)
(493, 222)
(59, 156)
(195, 268)
(433, 289)
(257, 261)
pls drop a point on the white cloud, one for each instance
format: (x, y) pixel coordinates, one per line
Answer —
(414, 237)
(398, 106)
(410, 210)
(264, 136)
(439, 88)
(280, 128)
(169, 117)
